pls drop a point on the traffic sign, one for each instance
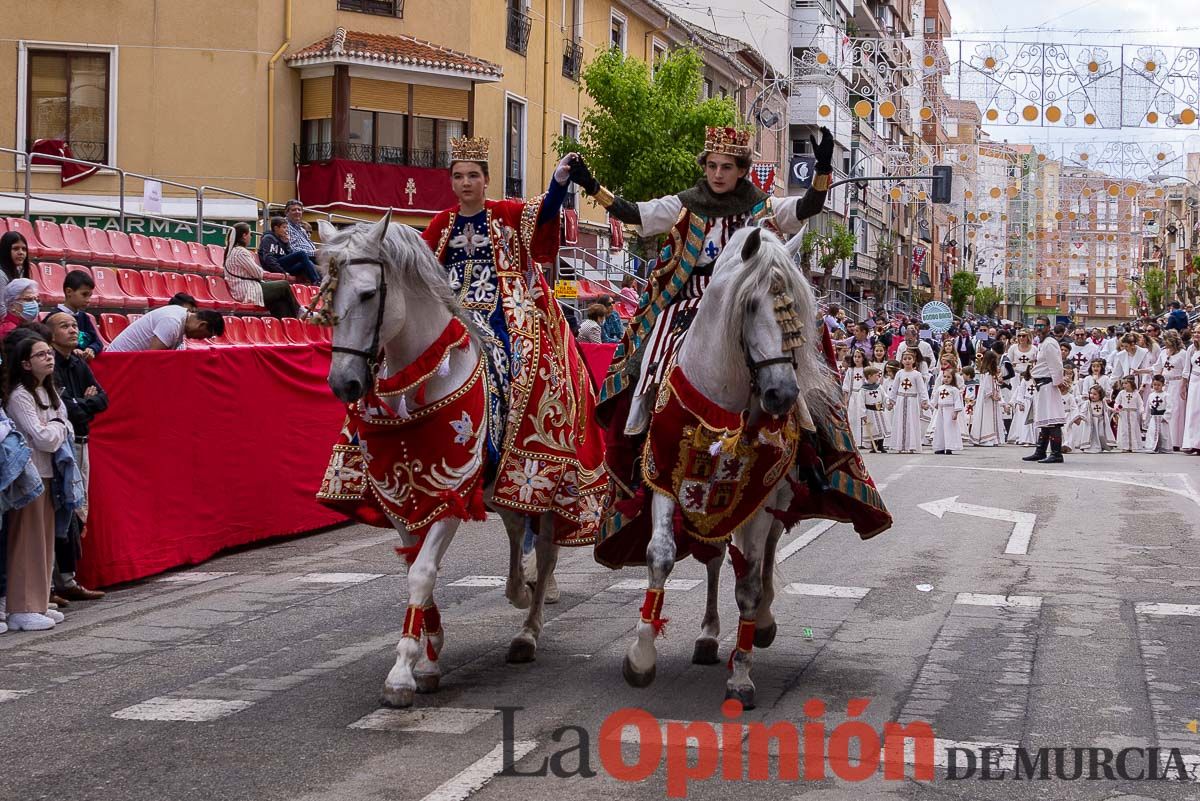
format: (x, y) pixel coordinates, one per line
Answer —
(937, 316)
(566, 289)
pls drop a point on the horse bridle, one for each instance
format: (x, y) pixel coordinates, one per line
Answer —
(793, 337)
(371, 356)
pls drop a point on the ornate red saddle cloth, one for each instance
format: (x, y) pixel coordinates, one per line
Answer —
(420, 466)
(717, 467)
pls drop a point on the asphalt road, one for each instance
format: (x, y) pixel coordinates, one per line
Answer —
(257, 674)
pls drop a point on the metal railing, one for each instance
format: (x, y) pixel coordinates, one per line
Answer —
(572, 59)
(316, 152)
(519, 25)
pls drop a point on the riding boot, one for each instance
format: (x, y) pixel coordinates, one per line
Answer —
(1056, 445)
(1040, 452)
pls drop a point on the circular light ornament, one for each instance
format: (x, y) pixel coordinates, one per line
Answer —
(1187, 116)
(888, 109)
(822, 58)
(862, 108)
(1053, 114)
(1089, 119)
(824, 110)
(992, 115)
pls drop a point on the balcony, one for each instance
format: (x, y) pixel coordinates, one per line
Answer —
(317, 152)
(384, 8)
(572, 59)
(519, 23)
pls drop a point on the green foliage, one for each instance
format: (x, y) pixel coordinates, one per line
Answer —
(962, 286)
(987, 298)
(643, 135)
(1155, 284)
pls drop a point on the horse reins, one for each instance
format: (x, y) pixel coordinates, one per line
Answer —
(371, 356)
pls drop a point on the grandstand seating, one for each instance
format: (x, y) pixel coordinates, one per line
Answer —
(101, 246)
(111, 325)
(74, 239)
(124, 253)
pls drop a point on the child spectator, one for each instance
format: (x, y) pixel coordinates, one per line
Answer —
(1158, 433)
(1128, 408)
(14, 257)
(1094, 419)
(38, 413)
(948, 404)
(84, 398)
(276, 255)
(906, 399)
(874, 421)
(77, 294)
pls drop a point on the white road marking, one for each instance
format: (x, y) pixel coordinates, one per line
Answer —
(479, 773)
(1003, 601)
(681, 585)
(192, 710)
(338, 578)
(1183, 610)
(12, 695)
(194, 576)
(1023, 522)
(1188, 493)
(435, 720)
(827, 590)
(808, 537)
(479, 581)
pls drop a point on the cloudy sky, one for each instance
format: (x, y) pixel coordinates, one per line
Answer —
(1105, 23)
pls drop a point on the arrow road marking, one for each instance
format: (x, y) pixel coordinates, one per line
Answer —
(1018, 541)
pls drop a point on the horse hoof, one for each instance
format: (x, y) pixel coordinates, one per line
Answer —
(397, 697)
(705, 652)
(635, 679)
(521, 651)
(428, 682)
(520, 599)
(745, 695)
(764, 637)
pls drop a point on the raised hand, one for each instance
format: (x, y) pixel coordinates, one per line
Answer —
(823, 150)
(581, 175)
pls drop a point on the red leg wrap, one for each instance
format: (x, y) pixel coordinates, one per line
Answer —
(740, 566)
(745, 639)
(414, 621)
(433, 625)
(652, 611)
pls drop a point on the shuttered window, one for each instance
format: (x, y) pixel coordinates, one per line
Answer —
(317, 99)
(374, 95)
(434, 101)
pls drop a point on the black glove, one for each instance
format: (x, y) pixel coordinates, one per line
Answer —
(581, 175)
(823, 150)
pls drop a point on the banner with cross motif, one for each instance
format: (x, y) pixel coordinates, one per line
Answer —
(360, 186)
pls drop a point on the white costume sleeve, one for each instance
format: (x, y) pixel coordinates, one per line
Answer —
(784, 209)
(659, 215)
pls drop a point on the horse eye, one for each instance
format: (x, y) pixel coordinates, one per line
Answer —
(365, 296)
(752, 307)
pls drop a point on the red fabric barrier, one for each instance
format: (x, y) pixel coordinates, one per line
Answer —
(202, 450)
(598, 358)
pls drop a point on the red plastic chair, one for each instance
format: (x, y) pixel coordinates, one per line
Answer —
(201, 259)
(274, 331)
(197, 287)
(145, 251)
(75, 243)
(156, 288)
(294, 330)
(37, 248)
(132, 285)
(216, 254)
(3, 226)
(183, 256)
(98, 241)
(49, 276)
(109, 291)
(50, 238)
(111, 325)
(96, 325)
(255, 333)
(123, 253)
(176, 283)
(220, 291)
(167, 259)
(235, 330)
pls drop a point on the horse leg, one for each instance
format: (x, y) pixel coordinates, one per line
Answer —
(515, 589)
(523, 647)
(705, 650)
(639, 665)
(750, 540)
(401, 683)
(764, 625)
(531, 561)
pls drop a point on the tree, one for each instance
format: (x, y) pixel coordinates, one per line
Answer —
(645, 130)
(987, 298)
(1154, 282)
(885, 254)
(832, 247)
(962, 286)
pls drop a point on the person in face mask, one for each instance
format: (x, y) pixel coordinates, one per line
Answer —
(20, 303)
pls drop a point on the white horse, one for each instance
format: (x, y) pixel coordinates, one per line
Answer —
(386, 291)
(739, 355)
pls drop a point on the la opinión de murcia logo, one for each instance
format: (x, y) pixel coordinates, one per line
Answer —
(735, 750)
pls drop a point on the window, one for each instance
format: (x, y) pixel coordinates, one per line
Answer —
(385, 8)
(519, 24)
(431, 141)
(930, 25)
(69, 97)
(570, 133)
(617, 25)
(708, 89)
(514, 148)
(658, 51)
(572, 59)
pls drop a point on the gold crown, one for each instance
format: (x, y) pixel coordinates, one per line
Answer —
(469, 148)
(727, 141)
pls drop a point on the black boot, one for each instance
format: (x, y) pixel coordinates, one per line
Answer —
(1056, 442)
(1040, 452)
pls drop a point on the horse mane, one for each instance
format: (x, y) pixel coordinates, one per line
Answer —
(408, 262)
(754, 284)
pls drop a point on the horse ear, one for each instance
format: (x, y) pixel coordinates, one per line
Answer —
(752, 244)
(793, 245)
(379, 231)
(326, 230)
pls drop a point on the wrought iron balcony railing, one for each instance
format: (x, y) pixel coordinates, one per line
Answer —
(519, 24)
(572, 59)
(383, 154)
